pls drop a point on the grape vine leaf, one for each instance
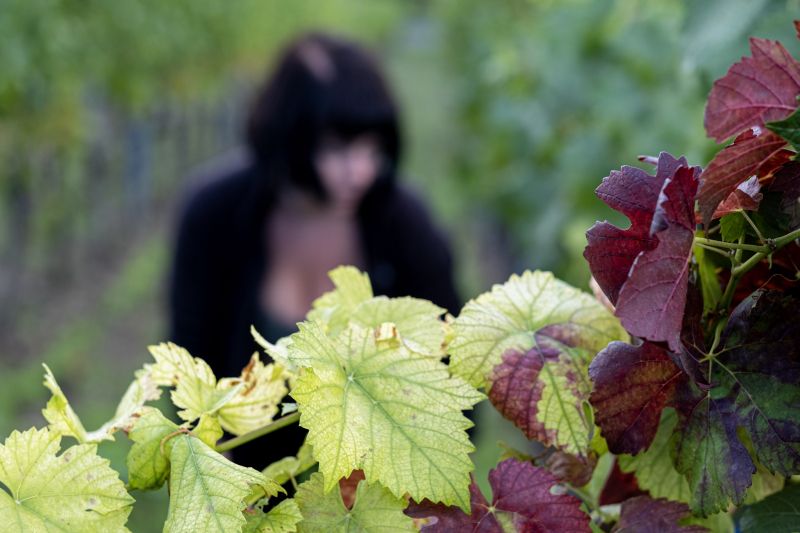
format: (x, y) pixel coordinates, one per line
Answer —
(207, 492)
(148, 461)
(542, 391)
(654, 469)
(283, 518)
(752, 153)
(371, 404)
(754, 396)
(75, 491)
(746, 196)
(62, 419)
(756, 90)
(643, 514)
(632, 385)
(334, 308)
(279, 351)
(256, 401)
(778, 513)
(196, 391)
(417, 321)
(290, 467)
(611, 251)
(507, 317)
(788, 128)
(651, 303)
(375, 509)
(523, 499)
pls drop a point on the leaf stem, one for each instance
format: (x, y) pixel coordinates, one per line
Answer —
(713, 249)
(752, 225)
(732, 245)
(256, 433)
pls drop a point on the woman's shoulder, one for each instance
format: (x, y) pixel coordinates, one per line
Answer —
(218, 187)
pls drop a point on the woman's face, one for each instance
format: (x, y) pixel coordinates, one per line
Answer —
(348, 168)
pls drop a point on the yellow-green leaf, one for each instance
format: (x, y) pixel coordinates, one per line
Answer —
(148, 459)
(196, 391)
(207, 492)
(260, 389)
(282, 518)
(76, 491)
(374, 509)
(508, 316)
(65, 421)
(378, 407)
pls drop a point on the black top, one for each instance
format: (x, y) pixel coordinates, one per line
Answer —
(220, 259)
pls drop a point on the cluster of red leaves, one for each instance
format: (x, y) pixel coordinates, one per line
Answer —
(751, 384)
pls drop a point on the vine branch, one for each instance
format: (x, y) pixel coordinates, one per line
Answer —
(256, 433)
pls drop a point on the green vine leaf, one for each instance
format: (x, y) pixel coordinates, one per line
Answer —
(507, 317)
(334, 308)
(76, 491)
(260, 389)
(148, 459)
(63, 420)
(417, 322)
(374, 509)
(654, 470)
(207, 492)
(195, 391)
(788, 128)
(371, 404)
(282, 518)
(779, 513)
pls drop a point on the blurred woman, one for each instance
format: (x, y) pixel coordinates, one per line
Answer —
(316, 189)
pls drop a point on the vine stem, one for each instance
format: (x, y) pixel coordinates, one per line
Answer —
(256, 433)
(733, 245)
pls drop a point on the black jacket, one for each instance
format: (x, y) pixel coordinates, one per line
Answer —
(220, 259)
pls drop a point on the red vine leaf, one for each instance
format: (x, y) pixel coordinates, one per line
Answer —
(643, 514)
(757, 90)
(521, 495)
(746, 197)
(619, 486)
(632, 385)
(652, 301)
(751, 154)
(633, 192)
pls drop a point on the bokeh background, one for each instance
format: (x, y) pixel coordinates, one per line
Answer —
(514, 111)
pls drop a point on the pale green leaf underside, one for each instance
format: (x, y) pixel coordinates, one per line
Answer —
(282, 518)
(654, 468)
(375, 509)
(279, 352)
(508, 316)
(256, 400)
(63, 420)
(417, 321)
(76, 491)
(207, 491)
(196, 391)
(148, 467)
(376, 406)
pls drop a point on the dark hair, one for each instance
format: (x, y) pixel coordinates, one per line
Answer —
(321, 85)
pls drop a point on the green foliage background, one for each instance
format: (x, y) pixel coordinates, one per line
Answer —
(515, 110)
